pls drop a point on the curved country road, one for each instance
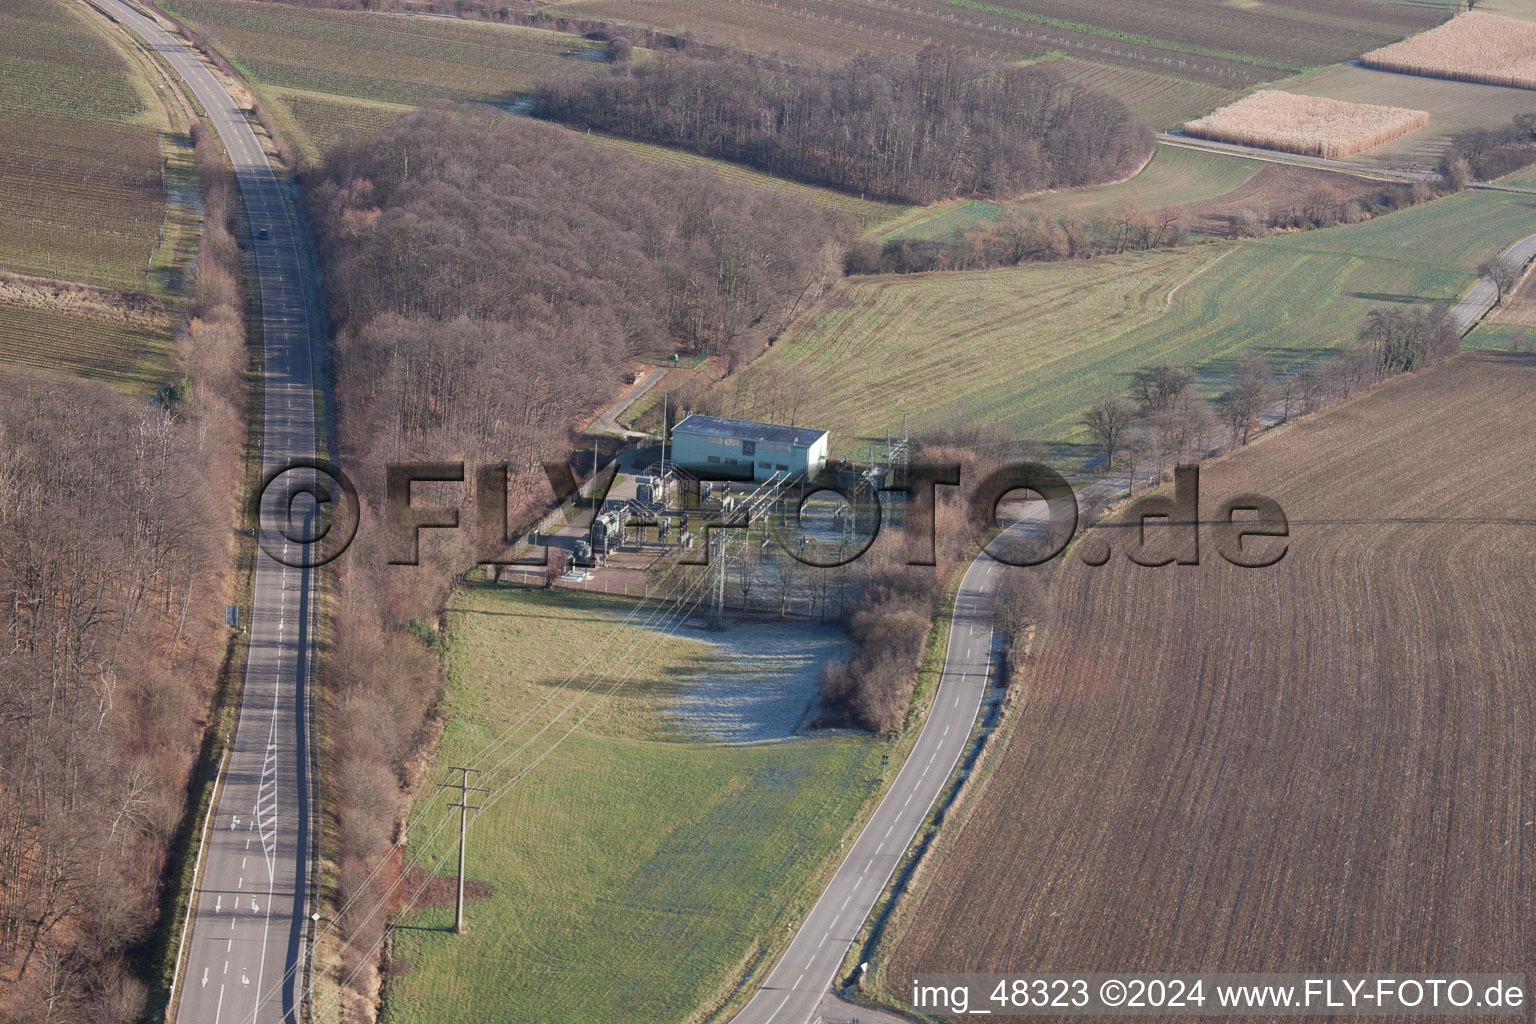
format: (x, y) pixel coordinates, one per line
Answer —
(793, 991)
(794, 987)
(797, 990)
(245, 949)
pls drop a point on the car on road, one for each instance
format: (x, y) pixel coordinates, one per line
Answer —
(264, 234)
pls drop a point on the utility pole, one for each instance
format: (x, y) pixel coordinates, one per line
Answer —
(464, 789)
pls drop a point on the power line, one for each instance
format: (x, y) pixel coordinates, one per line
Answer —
(463, 805)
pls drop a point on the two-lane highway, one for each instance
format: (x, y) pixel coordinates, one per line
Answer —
(245, 950)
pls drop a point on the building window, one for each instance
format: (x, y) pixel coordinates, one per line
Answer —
(716, 440)
(749, 447)
(714, 458)
(783, 467)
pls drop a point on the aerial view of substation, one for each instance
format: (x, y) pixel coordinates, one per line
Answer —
(766, 511)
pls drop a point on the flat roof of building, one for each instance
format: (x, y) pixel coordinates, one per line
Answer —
(747, 430)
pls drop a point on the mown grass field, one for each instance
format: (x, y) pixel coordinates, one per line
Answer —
(635, 874)
(1452, 106)
(1330, 756)
(1033, 347)
(1174, 176)
(385, 57)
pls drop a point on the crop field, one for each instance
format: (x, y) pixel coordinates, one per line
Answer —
(1229, 45)
(80, 201)
(81, 196)
(637, 874)
(1309, 125)
(1453, 107)
(1162, 101)
(1175, 176)
(1473, 47)
(868, 212)
(1322, 765)
(325, 121)
(384, 57)
(1525, 177)
(82, 345)
(1032, 347)
(52, 62)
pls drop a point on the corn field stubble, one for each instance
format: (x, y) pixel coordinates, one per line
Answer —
(1471, 47)
(1308, 125)
(1317, 766)
(1453, 107)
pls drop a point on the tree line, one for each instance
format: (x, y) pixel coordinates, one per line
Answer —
(916, 130)
(489, 279)
(1483, 154)
(1163, 420)
(1018, 235)
(115, 541)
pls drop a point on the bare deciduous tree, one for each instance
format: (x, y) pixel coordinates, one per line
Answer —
(1107, 423)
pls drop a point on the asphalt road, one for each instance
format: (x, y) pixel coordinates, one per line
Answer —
(1481, 295)
(607, 421)
(1280, 156)
(795, 986)
(797, 990)
(246, 945)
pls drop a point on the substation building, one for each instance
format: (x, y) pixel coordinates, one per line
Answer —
(710, 445)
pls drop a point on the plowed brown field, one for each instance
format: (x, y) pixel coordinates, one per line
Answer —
(1327, 765)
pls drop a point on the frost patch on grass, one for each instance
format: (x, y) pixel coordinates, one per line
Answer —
(759, 682)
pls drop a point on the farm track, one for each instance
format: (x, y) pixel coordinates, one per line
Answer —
(1321, 765)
